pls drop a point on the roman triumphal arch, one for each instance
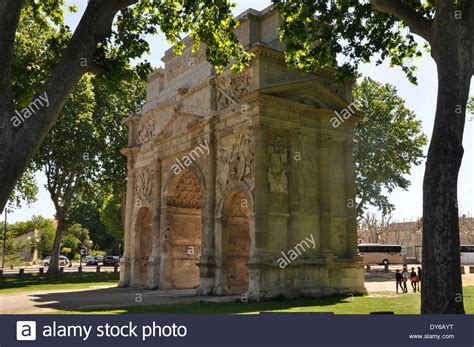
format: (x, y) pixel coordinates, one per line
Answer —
(240, 183)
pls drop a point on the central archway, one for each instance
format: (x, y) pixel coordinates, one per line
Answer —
(183, 231)
(236, 242)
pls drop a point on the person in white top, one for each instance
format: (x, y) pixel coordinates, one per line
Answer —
(405, 279)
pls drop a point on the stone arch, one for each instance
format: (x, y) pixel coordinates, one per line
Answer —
(171, 182)
(143, 242)
(235, 213)
(183, 202)
(233, 186)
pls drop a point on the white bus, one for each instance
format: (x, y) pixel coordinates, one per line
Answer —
(382, 254)
(467, 254)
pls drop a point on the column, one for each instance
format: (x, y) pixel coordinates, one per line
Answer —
(350, 186)
(324, 195)
(207, 262)
(261, 190)
(337, 207)
(154, 261)
(127, 257)
(294, 234)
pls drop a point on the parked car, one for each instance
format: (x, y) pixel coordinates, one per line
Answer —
(111, 260)
(63, 261)
(94, 259)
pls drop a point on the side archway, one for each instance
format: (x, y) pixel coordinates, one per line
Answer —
(143, 243)
(235, 213)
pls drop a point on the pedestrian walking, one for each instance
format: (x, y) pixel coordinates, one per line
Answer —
(413, 279)
(405, 279)
(398, 281)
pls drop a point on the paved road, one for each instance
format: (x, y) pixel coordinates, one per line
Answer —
(35, 269)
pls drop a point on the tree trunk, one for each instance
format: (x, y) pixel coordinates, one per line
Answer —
(54, 261)
(442, 283)
(20, 143)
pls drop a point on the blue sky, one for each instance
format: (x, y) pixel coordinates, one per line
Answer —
(421, 99)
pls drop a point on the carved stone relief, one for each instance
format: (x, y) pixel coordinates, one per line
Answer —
(186, 193)
(237, 162)
(231, 87)
(277, 173)
(146, 132)
(144, 185)
(188, 60)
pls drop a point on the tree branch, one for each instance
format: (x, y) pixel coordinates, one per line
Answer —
(23, 141)
(417, 23)
(444, 8)
(9, 18)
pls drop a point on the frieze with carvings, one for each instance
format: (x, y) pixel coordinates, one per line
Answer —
(144, 185)
(277, 167)
(146, 131)
(231, 87)
(188, 60)
(237, 162)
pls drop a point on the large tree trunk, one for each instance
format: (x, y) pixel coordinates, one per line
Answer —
(9, 18)
(54, 261)
(19, 144)
(442, 283)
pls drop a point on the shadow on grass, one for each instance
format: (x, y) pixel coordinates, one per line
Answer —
(27, 280)
(124, 300)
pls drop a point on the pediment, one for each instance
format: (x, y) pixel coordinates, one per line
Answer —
(311, 93)
(179, 122)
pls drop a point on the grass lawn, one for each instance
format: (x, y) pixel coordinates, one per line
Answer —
(401, 304)
(16, 284)
(381, 301)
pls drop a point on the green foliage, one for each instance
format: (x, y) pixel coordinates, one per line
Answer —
(388, 142)
(209, 22)
(111, 216)
(20, 228)
(73, 280)
(26, 191)
(46, 239)
(18, 247)
(85, 210)
(95, 252)
(75, 237)
(37, 49)
(470, 105)
(348, 29)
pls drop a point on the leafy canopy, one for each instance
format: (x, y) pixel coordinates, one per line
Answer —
(209, 22)
(388, 142)
(317, 32)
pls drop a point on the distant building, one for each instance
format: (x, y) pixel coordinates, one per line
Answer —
(27, 245)
(409, 235)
